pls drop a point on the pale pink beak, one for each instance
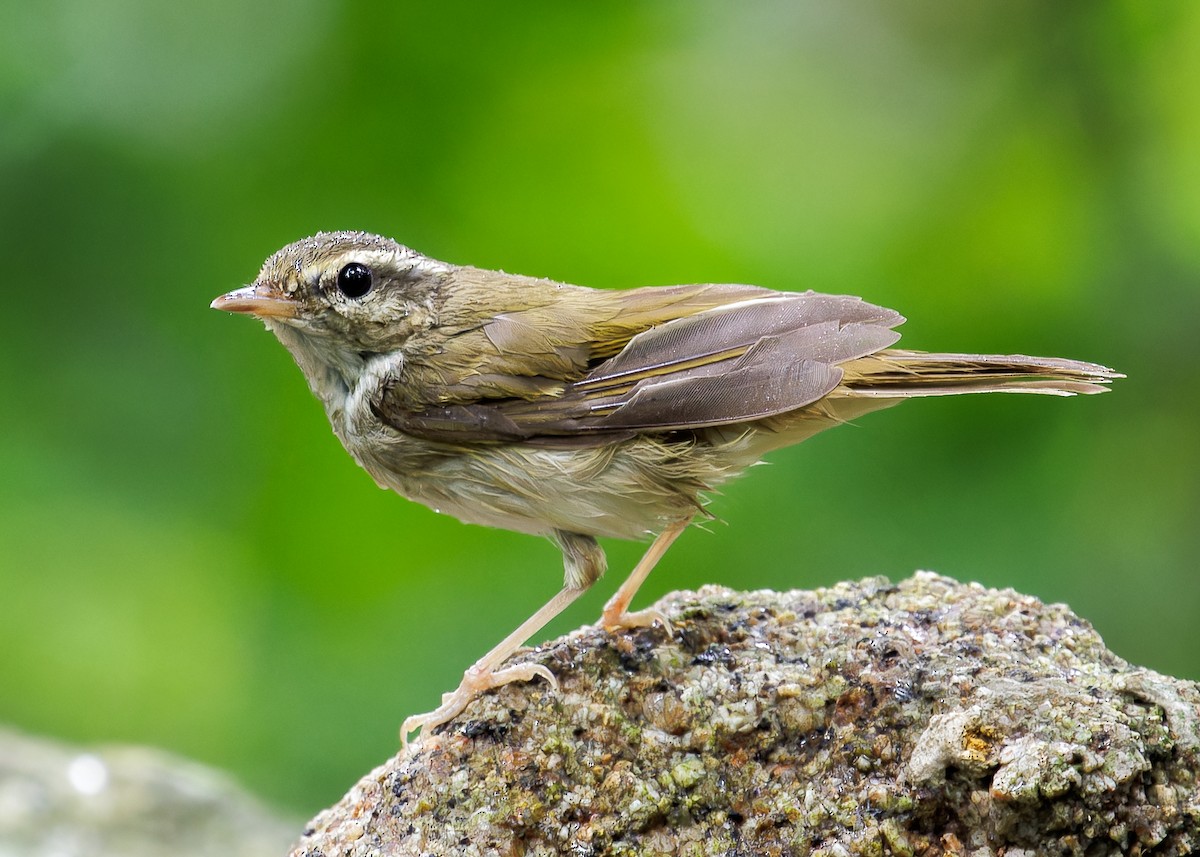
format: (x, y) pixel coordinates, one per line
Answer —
(264, 300)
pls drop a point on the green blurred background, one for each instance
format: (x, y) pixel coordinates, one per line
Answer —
(189, 559)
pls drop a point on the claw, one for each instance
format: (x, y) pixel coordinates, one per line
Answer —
(542, 672)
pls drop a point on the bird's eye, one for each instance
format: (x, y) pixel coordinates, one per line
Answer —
(354, 280)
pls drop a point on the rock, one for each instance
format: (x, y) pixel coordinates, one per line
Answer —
(125, 802)
(924, 717)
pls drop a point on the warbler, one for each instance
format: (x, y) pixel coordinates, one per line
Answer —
(576, 413)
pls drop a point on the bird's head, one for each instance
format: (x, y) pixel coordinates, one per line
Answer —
(343, 290)
(336, 299)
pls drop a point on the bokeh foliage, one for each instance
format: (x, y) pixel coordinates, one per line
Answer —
(188, 558)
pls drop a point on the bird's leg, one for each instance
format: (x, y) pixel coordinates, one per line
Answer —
(616, 615)
(483, 675)
(584, 563)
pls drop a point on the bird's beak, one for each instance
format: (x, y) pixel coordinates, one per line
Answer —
(264, 300)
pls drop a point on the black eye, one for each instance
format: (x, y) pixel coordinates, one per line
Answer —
(354, 280)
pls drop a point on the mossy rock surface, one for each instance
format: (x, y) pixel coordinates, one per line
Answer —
(921, 717)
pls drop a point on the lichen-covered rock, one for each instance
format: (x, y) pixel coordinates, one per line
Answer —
(924, 717)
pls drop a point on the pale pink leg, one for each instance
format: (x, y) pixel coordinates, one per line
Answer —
(484, 676)
(616, 615)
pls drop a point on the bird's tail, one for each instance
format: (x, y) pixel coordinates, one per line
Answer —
(899, 374)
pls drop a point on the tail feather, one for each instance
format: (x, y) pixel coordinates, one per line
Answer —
(897, 373)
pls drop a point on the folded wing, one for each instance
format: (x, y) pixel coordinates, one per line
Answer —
(750, 358)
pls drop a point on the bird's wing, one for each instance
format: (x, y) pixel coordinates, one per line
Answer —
(754, 354)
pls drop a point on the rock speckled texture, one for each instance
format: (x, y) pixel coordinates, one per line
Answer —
(925, 717)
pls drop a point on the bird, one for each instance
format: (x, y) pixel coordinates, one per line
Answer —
(576, 413)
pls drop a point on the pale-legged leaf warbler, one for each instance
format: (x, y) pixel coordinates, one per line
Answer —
(574, 413)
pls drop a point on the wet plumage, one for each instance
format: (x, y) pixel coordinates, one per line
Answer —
(575, 413)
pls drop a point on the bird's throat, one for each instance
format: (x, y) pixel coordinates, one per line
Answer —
(332, 371)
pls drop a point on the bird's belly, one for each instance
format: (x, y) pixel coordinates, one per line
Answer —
(624, 490)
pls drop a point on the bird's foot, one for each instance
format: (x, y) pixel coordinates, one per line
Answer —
(615, 619)
(476, 681)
